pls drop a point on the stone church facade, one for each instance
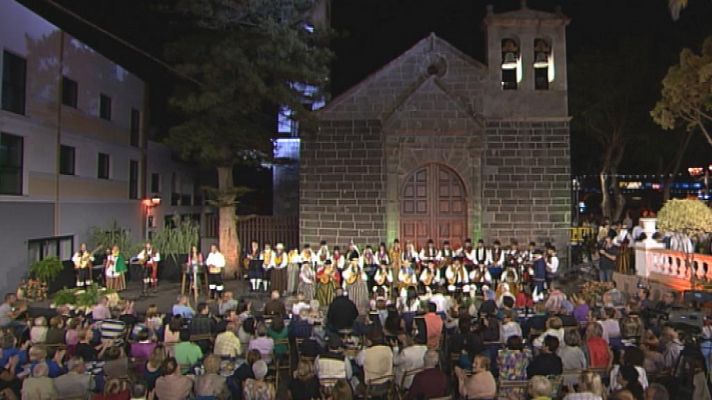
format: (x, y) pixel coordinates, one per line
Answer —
(439, 145)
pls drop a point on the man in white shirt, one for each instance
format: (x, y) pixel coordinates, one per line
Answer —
(409, 358)
(216, 264)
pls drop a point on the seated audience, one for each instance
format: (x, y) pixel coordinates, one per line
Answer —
(546, 362)
(479, 385)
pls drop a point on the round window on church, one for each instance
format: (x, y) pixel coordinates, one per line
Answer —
(436, 65)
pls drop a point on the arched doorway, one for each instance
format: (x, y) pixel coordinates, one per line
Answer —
(433, 205)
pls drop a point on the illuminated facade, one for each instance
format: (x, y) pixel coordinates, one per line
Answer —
(438, 145)
(73, 148)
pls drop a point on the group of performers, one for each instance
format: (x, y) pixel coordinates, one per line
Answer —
(115, 268)
(393, 271)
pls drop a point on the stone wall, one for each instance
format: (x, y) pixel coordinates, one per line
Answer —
(342, 184)
(526, 182)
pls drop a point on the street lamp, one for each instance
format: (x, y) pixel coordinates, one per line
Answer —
(149, 203)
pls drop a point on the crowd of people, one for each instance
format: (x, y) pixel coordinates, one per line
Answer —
(515, 331)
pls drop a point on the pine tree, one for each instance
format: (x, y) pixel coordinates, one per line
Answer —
(243, 60)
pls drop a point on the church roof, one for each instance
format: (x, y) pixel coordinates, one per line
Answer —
(524, 14)
(385, 89)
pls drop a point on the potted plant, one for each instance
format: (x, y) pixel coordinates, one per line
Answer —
(64, 297)
(686, 217)
(173, 243)
(47, 269)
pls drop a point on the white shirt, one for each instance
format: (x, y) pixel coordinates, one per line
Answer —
(553, 264)
(409, 359)
(441, 302)
(215, 260)
(306, 274)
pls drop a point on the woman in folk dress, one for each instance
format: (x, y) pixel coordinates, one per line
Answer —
(278, 277)
(306, 281)
(115, 269)
(355, 283)
(328, 279)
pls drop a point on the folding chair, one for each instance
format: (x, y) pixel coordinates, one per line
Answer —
(279, 362)
(381, 387)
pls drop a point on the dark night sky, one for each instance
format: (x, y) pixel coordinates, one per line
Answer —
(372, 32)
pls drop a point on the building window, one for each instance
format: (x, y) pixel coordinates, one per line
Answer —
(70, 92)
(105, 107)
(511, 64)
(59, 246)
(11, 159)
(133, 179)
(66, 160)
(543, 64)
(103, 167)
(175, 186)
(14, 73)
(155, 183)
(135, 127)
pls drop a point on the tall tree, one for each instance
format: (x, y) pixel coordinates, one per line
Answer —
(608, 102)
(245, 59)
(686, 96)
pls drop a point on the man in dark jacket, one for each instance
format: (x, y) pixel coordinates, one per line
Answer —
(342, 313)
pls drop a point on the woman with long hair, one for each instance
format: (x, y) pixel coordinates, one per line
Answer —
(304, 384)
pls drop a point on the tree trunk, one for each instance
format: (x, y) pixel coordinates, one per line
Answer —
(229, 242)
(677, 161)
(605, 198)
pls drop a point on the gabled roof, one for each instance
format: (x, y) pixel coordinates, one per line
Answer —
(524, 13)
(388, 97)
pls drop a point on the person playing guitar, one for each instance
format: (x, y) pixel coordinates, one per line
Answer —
(149, 259)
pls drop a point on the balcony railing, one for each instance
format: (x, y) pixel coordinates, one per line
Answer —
(680, 265)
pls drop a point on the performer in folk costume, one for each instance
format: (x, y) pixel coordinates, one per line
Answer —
(369, 262)
(504, 289)
(193, 267)
(149, 259)
(428, 253)
(323, 254)
(266, 259)
(538, 273)
(467, 252)
(456, 275)
(497, 257)
(383, 279)
(352, 250)
(278, 269)
(407, 277)
(83, 260)
(294, 266)
(254, 265)
(513, 252)
(115, 270)
(444, 258)
(410, 254)
(510, 276)
(480, 276)
(307, 278)
(328, 279)
(338, 259)
(216, 264)
(552, 266)
(527, 257)
(354, 281)
(395, 255)
(429, 277)
(382, 254)
(481, 255)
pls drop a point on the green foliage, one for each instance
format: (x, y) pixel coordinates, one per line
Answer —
(46, 270)
(101, 238)
(91, 295)
(177, 239)
(688, 216)
(686, 96)
(243, 58)
(65, 296)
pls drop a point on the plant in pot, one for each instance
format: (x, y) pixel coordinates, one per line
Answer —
(42, 273)
(173, 242)
(64, 297)
(685, 218)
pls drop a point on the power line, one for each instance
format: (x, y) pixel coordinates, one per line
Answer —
(122, 41)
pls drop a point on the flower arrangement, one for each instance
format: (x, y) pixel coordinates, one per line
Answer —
(32, 290)
(84, 298)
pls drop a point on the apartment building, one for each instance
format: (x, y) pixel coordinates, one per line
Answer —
(73, 147)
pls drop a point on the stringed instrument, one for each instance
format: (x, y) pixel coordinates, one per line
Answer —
(429, 278)
(453, 280)
(381, 277)
(353, 277)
